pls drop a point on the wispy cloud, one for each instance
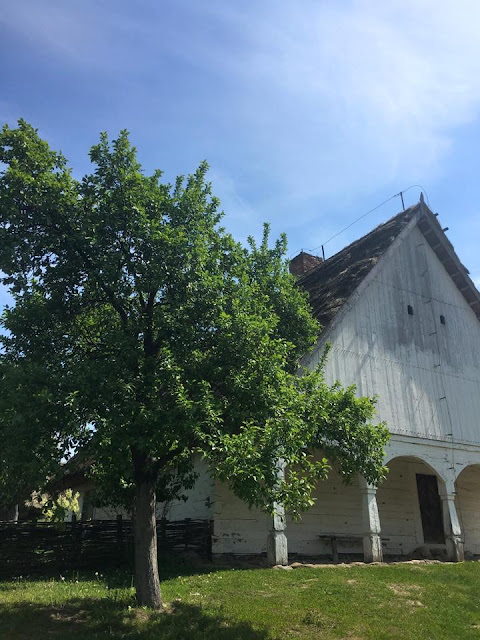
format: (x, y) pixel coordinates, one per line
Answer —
(362, 89)
(316, 101)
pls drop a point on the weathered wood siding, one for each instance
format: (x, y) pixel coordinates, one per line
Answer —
(426, 374)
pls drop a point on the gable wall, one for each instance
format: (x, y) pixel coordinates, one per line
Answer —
(426, 375)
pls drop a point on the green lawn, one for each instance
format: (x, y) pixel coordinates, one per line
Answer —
(417, 602)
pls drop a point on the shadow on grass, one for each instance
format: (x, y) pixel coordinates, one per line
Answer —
(121, 576)
(92, 619)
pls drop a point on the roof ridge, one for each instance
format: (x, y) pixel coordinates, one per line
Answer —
(410, 211)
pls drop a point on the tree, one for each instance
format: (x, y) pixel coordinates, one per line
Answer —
(141, 330)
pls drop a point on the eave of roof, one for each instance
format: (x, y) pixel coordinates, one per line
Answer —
(443, 248)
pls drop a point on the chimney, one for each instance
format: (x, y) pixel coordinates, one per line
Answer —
(303, 263)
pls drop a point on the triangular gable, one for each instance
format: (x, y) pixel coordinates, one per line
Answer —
(334, 281)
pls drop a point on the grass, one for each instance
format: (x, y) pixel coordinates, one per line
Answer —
(409, 601)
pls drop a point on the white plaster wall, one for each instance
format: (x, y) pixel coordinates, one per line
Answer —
(426, 375)
(468, 508)
(199, 499)
(338, 509)
(398, 507)
(197, 506)
(237, 529)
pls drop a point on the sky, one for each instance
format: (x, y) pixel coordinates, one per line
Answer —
(310, 113)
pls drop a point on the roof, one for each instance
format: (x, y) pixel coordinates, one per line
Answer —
(332, 282)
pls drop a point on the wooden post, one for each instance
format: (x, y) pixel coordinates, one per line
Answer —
(162, 546)
(187, 532)
(120, 535)
(74, 537)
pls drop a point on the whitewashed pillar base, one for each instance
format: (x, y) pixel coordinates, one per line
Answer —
(372, 548)
(372, 542)
(452, 529)
(277, 548)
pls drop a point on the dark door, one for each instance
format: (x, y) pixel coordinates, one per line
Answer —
(430, 509)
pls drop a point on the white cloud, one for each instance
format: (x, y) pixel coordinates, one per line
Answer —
(325, 99)
(375, 88)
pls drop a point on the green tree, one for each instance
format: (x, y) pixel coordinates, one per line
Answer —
(141, 330)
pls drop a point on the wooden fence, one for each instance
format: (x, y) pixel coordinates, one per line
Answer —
(39, 547)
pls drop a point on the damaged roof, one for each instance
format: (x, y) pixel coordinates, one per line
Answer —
(332, 282)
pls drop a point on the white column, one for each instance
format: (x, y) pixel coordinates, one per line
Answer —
(451, 524)
(372, 542)
(277, 546)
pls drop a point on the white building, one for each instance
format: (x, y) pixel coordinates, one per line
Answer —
(402, 317)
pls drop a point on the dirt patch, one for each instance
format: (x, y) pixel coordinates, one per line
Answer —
(316, 619)
(404, 590)
(414, 603)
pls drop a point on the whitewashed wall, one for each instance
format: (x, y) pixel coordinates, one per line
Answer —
(237, 529)
(338, 509)
(240, 530)
(398, 507)
(198, 505)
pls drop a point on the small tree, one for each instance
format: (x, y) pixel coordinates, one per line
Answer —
(142, 329)
(55, 508)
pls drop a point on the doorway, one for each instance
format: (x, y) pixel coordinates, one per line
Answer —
(430, 509)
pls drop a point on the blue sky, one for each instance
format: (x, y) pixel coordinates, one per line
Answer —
(309, 113)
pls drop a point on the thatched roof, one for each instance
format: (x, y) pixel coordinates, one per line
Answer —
(332, 282)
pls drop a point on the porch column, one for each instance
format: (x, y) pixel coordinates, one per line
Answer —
(277, 546)
(372, 543)
(451, 525)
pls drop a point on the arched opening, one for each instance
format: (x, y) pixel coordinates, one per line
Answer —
(337, 513)
(468, 508)
(410, 509)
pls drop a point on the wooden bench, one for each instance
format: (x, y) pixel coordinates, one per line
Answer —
(333, 538)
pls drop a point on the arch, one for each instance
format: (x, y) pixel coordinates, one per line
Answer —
(436, 466)
(404, 530)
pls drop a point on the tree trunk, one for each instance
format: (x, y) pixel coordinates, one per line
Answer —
(146, 563)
